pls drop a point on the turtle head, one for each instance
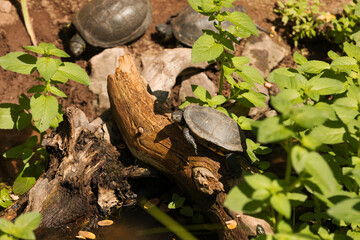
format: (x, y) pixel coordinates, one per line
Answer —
(164, 31)
(77, 45)
(177, 116)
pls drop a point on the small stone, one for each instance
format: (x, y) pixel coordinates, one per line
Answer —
(5, 6)
(231, 224)
(86, 234)
(105, 223)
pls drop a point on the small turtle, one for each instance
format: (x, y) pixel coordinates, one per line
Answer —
(211, 128)
(187, 25)
(109, 23)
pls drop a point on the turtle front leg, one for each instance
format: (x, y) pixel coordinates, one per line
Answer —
(190, 139)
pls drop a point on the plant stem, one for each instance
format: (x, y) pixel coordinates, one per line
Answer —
(288, 146)
(27, 22)
(221, 74)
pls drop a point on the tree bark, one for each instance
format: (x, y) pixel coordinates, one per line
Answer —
(153, 138)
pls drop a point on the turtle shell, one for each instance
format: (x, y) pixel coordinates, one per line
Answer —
(187, 25)
(209, 125)
(109, 23)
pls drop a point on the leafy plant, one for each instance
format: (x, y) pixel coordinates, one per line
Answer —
(22, 228)
(318, 126)
(5, 200)
(218, 47)
(186, 210)
(40, 112)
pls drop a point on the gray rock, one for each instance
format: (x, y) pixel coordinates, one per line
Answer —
(264, 53)
(103, 65)
(200, 79)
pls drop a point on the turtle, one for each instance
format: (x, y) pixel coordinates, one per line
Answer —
(187, 25)
(210, 128)
(109, 23)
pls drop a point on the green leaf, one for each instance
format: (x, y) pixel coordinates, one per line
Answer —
(287, 78)
(347, 210)
(47, 67)
(18, 62)
(37, 89)
(240, 61)
(58, 53)
(5, 200)
(243, 21)
(73, 72)
(218, 100)
(6, 226)
(24, 101)
(205, 49)
(321, 174)
(187, 211)
(54, 90)
(299, 59)
(352, 51)
(324, 107)
(270, 130)
(308, 116)
(23, 121)
(29, 221)
(281, 204)
(26, 178)
(298, 158)
(328, 135)
(256, 99)
(8, 115)
(325, 85)
(313, 66)
(44, 110)
(284, 101)
(238, 200)
(35, 49)
(177, 201)
(201, 93)
(250, 75)
(333, 55)
(344, 64)
(258, 181)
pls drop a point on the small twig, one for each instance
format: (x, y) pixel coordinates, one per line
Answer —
(27, 22)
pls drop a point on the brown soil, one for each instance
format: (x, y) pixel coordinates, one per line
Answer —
(50, 18)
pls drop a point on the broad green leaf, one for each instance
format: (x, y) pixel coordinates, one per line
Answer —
(347, 210)
(30, 220)
(6, 237)
(296, 198)
(177, 201)
(47, 67)
(256, 99)
(60, 77)
(352, 51)
(44, 110)
(26, 178)
(239, 199)
(5, 200)
(344, 64)
(298, 158)
(346, 109)
(325, 85)
(58, 53)
(23, 121)
(201, 93)
(243, 21)
(354, 93)
(8, 115)
(54, 90)
(218, 100)
(333, 55)
(195, 4)
(287, 78)
(240, 61)
(284, 101)
(35, 49)
(321, 174)
(313, 66)
(281, 204)
(205, 49)
(18, 62)
(24, 101)
(324, 107)
(328, 135)
(270, 130)
(258, 181)
(284, 227)
(73, 72)
(260, 194)
(187, 211)
(308, 116)
(250, 75)
(37, 89)
(6, 226)
(299, 59)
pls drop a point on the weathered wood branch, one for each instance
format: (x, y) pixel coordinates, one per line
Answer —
(154, 139)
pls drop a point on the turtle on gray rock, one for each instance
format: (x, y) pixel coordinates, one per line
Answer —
(109, 23)
(187, 25)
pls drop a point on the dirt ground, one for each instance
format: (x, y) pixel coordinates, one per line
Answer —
(50, 18)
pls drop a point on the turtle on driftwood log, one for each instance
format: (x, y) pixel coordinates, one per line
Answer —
(109, 23)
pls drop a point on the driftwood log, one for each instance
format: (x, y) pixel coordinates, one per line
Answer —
(154, 139)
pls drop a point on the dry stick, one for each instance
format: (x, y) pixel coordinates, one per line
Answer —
(27, 22)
